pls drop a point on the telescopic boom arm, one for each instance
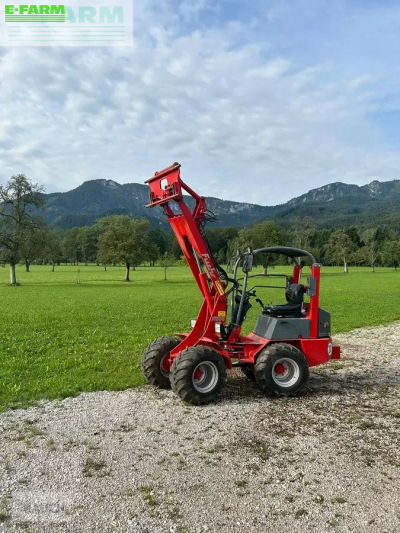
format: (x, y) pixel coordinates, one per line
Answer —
(166, 190)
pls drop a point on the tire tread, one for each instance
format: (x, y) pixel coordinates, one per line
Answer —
(151, 361)
(263, 369)
(181, 374)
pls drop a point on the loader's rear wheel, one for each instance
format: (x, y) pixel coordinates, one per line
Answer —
(281, 369)
(155, 364)
(197, 375)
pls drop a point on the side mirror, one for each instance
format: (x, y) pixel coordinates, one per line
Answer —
(247, 262)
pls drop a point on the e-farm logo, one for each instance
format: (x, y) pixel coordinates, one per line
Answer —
(34, 13)
(75, 23)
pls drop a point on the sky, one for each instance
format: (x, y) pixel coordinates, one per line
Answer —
(259, 101)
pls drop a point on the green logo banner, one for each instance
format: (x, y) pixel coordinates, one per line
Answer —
(75, 23)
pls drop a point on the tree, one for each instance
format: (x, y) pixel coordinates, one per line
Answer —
(372, 246)
(302, 231)
(352, 232)
(166, 260)
(259, 235)
(382, 234)
(72, 245)
(176, 249)
(315, 242)
(391, 253)
(51, 251)
(17, 200)
(339, 248)
(33, 243)
(153, 253)
(360, 257)
(161, 240)
(219, 240)
(124, 240)
(86, 242)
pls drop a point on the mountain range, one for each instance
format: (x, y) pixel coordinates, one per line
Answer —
(333, 205)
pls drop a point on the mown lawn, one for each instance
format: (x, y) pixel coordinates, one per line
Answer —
(59, 337)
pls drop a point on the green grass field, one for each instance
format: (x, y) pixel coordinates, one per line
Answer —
(58, 337)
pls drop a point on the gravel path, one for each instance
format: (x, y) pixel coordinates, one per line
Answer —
(141, 461)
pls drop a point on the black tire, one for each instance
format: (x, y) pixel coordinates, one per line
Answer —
(206, 387)
(248, 371)
(293, 376)
(152, 359)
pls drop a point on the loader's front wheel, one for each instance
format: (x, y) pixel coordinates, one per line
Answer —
(198, 374)
(155, 364)
(281, 370)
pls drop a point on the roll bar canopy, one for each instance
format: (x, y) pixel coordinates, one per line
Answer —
(286, 250)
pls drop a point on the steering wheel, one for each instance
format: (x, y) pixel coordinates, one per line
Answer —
(258, 300)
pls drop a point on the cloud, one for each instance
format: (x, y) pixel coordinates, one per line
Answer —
(249, 116)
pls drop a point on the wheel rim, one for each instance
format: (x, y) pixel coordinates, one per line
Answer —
(164, 365)
(205, 377)
(285, 372)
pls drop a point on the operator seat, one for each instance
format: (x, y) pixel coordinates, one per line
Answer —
(294, 296)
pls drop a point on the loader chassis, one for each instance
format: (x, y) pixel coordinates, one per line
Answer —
(286, 339)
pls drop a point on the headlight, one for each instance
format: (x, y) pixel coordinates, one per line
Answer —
(217, 326)
(193, 323)
(329, 349)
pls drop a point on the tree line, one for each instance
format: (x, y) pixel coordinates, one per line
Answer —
(118, 239)
(121, 239)
(374, 246)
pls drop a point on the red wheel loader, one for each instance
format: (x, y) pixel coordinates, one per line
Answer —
(287, 339)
